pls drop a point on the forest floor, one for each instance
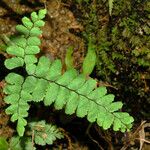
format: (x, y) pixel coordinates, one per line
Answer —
(62, 30)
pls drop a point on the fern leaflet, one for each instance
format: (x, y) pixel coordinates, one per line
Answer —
(110, 6)
(26, 46)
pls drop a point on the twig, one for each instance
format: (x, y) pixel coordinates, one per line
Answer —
(106, 85)
(146, 141)
(68, 138)
(88, 133)
(32, 139)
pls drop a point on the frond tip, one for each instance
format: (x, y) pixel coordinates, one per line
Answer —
(26, 46)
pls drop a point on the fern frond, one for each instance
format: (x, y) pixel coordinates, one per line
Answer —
(82, 96)
(45, 82)
(45, 133)
(78, 94)
(27, 45)
(18, 100)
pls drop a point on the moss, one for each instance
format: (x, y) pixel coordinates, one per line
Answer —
(122, 45)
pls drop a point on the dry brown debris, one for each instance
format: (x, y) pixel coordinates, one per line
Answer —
(5, 130)
(56, 32)
(57, 36)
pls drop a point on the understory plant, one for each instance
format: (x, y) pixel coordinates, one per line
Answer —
(110, 4)
(45, 82)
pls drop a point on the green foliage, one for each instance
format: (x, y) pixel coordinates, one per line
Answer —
(99, 37)
(69, 58)
(80, 1)
(123, 48)
(28, 43)
(15, 143)
(90, 59)
(24, 143)
(45, 82)
(18, 101)
(110, 2)
(23, 49)
(74, 91)
(44, 133)
(142, 56)
(3, 144)
(29, 144)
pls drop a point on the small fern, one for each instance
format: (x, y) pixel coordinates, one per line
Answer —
(44, 133)
(45, 82)
(110, 2)
(41, 133)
